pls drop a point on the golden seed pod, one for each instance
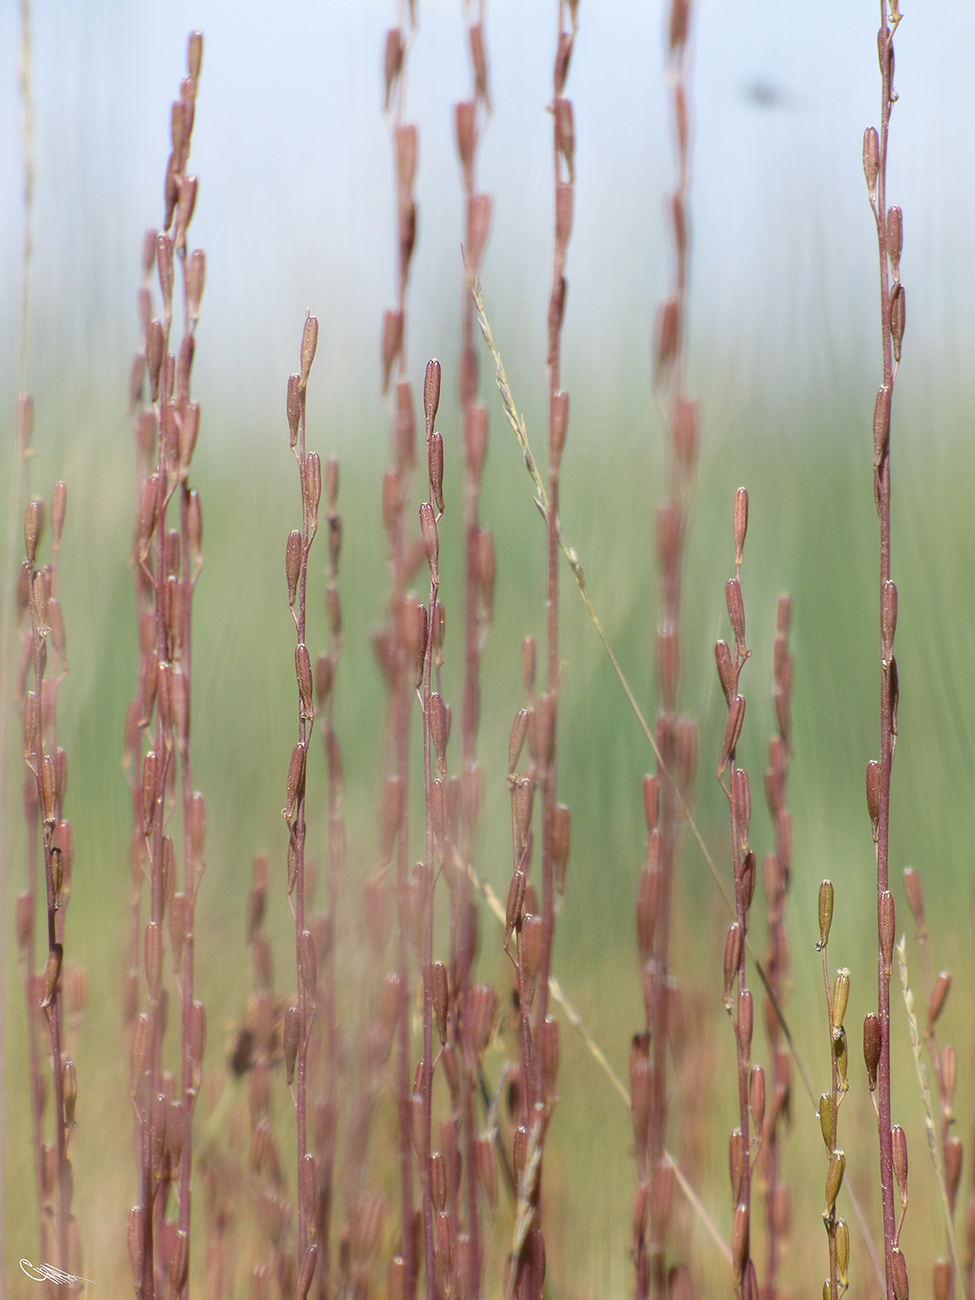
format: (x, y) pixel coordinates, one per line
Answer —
(842, 1251)
(825, 911)
(873, 794)
(834, 1179)
(827, 1118)
(841, 996)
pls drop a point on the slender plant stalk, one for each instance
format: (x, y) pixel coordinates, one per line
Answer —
(166, 564)
(776, 873)
(737, 996)
(676, 736)
(400, 650)
(470, 117)
(16, 500)
(889, 224)
(306, 961)
(837, 997)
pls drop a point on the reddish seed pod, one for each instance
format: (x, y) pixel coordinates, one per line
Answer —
(756, 1096)
(438, 981)
(949, 1070)
(736, 1163)
(953, 1159)
(936, 1001)
(392, 342)
(915, 896)
(516, 741)
(899, 1143)
(746, 1019)
(312, 482)
(195, 280)
(431, 394)
(668, 336)
(741, 802)
(741, 528)
(478, 228)
(435, 469)
(431, 542)
(732, 959)
(564, 203)
(726, 671)
(881, 426)
(886, 928)
(898, 316)
(294, 405)
(392, 60)
(558, 423)
(561, 839)
(309, 346)
(292, 564)
(888, 617)
(873, 794)
(871, 161)
(739, 1240)
(872, 1039)
(530, 954)
(736, 716)
(736, 614)
(895, 238)
(898, 1269)
(565, 133)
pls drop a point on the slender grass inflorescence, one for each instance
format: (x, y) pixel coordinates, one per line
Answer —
(664, 802)
(326, 1107)
(944, 1066)
(470, 116)
(297, 1026)
(737, 996)
(776, 869)
(166, 565)
(889, 223)
(49, 842)
(399, 647)
(837, 997)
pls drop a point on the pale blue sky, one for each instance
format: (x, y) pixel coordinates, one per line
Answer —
(295, 210)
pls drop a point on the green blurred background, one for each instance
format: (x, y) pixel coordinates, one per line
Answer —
(295, 212)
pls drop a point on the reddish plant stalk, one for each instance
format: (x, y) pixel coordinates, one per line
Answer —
(737, 996)
(296, 567)
(434, 747)
(49, 834)
(401, 645)
(167, 564)
(892, 304)
(470, 116)
(837, 997)
(776, 868)
(676, 737)
(325, 669)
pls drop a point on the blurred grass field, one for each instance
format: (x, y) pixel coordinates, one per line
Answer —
(786, 399)
(811, 532)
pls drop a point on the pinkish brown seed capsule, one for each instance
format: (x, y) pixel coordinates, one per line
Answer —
(898, 316)
(949, 1068)
(872, 1039)
(431, 394)
(873, 794)
(668, 337)
(871, 161)
(886, 928)
(741, 528)
(736, 613)
(292, 564)
(309, 346)
(895, 238)
(939, 994)
(312, 482)
(898, 1269)
(732, 959)
(915, 896)
(726, 671)
(435, 470)
(736, 716)
(294, 406)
